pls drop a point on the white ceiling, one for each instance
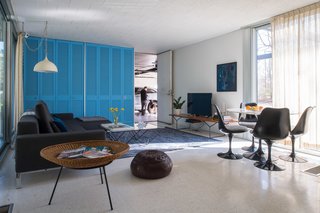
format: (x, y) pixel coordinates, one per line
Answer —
(150, 26)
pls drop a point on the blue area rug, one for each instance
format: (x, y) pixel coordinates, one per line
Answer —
(174, 140)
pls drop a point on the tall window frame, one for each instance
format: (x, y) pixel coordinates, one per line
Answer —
(3, 81)
(8, 38)
(262, 64)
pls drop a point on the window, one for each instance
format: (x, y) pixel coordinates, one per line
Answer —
(2, 78)
(264, 65)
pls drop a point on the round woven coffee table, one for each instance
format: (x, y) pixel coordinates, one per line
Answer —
(50, 153)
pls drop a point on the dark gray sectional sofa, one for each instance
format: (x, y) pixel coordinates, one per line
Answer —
(38, 130)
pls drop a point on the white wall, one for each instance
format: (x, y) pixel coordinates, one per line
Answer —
(195, 68)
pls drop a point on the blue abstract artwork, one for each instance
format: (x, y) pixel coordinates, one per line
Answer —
(227, 77)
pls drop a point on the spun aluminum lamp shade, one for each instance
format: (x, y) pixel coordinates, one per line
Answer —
(45, 66)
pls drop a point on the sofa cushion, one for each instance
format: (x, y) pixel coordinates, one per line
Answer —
(44, 117)
(60, 124)
(73, 125)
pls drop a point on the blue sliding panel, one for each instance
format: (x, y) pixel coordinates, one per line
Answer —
(107, 81)
(92, 95)
(104, 81)
(128, 79)
(63, 83)
(30, 78)
(116, 81)
(62, 91)
(77, 79)
(47, 81)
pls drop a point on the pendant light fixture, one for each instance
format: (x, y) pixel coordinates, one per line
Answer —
(45, 65)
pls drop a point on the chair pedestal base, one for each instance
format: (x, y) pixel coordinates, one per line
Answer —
(292, 158)
(230, 155)
(268, 165)
(249, 148)
(256, 156)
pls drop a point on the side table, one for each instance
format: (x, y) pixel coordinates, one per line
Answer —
(115, 132)
(50, 153)
(120, 128)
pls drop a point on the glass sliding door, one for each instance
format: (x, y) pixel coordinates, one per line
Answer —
(2, 78)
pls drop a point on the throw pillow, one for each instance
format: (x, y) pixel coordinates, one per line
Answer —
(54, 127)
(60, 124)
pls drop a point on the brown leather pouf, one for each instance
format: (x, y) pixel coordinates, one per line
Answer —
(151, 164)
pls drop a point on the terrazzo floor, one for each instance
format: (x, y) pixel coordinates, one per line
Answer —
(199, 182)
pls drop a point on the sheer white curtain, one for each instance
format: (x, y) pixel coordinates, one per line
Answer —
(18, 80)
(296, 65)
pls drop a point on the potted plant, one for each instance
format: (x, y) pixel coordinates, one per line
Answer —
(177, 105)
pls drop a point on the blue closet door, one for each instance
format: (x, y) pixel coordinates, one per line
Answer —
(107, 81)
(30, 78)
(104, 81)
(47, 80)
(77, 79)
(116, 82)
(128, 86)
(63, 83)
(92, 83)
(98, 72)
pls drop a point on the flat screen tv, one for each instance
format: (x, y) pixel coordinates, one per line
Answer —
(200, 104)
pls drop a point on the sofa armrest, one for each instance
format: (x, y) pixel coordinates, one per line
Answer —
(63, 116)
(28, 124)
(28, 147)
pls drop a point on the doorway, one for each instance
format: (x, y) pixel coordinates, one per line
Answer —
(145, 75)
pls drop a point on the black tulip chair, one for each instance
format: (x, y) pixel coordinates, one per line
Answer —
(229, 130)
(300, 129)
(248, 121)
(273, 124)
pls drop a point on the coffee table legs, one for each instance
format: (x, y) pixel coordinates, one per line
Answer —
(55, 185)
(101, 175)
(105, 178)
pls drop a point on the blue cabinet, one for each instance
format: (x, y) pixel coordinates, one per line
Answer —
(91, 78)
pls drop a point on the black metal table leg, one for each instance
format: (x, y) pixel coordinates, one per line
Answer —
(138, 134)
(101, 175)
(176, 119)
(55, 185)
(105, 178)
(209, 126)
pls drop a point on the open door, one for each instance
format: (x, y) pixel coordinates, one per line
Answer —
(165, 87)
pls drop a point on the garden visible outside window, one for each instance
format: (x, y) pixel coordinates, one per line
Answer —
(264, 65)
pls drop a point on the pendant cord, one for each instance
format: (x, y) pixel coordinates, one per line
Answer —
(46, 37)
(40, 43)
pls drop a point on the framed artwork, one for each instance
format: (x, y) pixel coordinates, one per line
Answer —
(227, 77)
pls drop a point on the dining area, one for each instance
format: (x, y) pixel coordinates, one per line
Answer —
(268, 125)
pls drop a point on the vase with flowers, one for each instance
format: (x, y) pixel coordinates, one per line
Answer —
(115, 113)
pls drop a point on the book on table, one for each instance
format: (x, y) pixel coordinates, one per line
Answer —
(86, 152)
